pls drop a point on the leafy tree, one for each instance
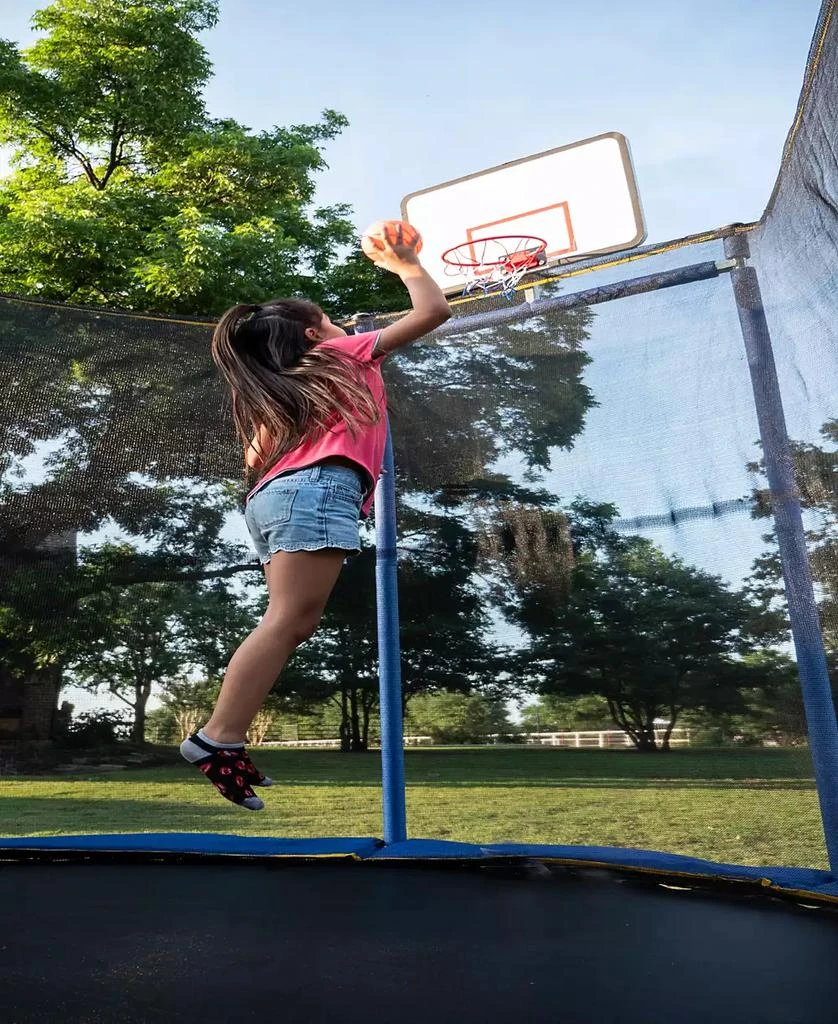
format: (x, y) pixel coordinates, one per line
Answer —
(42, 587)
(185, 705)
(457, 717)
(773, 708)
(131, 638)
(130, 645)
(552, 712)
(817, 477)
(126, 193)
(357, 285)
(214, 620)
(652, 636)
(775, 712)
(462, 403)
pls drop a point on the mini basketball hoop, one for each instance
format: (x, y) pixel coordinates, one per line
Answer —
(495, 264)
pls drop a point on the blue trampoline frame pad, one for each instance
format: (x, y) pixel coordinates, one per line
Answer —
(806, 883)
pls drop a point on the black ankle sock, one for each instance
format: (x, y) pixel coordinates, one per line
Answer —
(199, 745)
(227, 767)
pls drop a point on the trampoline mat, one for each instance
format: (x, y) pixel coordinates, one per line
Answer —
(248, 941)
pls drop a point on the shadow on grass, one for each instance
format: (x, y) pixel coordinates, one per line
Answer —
(26, 816)
(495, 767)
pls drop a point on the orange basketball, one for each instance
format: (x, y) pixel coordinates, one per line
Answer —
(391, 231)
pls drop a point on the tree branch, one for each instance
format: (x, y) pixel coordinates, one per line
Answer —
(69, 148)
(113, 689)
(115, 153)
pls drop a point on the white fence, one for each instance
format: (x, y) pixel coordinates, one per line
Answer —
(602, 738)
(334, 744)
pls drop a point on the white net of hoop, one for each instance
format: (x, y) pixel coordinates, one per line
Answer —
(494, 264)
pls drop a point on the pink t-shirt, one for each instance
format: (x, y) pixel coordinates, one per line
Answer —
(367, 447)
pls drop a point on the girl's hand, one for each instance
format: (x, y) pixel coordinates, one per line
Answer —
(399, 258)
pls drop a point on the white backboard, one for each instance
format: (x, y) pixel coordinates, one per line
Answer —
(582, 199)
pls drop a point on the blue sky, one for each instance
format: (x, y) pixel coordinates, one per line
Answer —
(704, 89)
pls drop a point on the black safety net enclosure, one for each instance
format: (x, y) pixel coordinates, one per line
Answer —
(587, 556)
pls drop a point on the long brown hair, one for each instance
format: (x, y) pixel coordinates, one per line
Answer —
(282, 381)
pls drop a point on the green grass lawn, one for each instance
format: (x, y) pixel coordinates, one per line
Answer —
(743, 806)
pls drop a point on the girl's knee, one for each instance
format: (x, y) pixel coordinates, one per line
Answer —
(296, 626)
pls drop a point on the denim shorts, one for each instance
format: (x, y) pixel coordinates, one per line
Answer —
(306, 510)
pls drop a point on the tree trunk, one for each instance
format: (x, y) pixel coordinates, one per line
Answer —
(646, 743)
(357, 742)
(639, 730)
(673, 718)
(260, 727)
(366, 727)
(138, 725)
(142, 692)
(345, 731)
(649, 743)
(188, 721)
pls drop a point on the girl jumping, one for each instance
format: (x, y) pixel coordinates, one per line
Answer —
(310, 407)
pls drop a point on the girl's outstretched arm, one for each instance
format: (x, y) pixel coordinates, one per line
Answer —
(430, 307)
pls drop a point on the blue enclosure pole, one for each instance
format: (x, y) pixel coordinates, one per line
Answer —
(389, 652)
(791, 539)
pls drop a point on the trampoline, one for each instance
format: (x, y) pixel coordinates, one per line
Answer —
(491, 938)
(726, 349)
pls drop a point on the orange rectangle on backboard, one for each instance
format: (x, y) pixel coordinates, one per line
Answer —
(554, 220)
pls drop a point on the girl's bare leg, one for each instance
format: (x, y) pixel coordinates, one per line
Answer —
(299, 585)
